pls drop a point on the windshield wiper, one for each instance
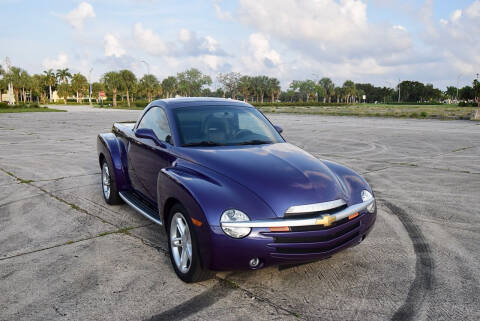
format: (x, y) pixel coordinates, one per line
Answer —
(202, 143)
(255, 142)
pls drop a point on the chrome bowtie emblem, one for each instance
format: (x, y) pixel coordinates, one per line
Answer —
(326, 220)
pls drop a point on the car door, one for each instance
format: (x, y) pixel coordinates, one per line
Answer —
(148, 156)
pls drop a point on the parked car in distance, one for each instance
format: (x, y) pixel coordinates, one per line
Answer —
(229, 190)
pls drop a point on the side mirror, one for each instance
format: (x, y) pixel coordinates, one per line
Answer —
(278, 128)
(147, 133)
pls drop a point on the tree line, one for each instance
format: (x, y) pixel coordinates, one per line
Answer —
(124, 85)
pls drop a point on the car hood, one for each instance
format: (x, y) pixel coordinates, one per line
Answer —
(282, 174)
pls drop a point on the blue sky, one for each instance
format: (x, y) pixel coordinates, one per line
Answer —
(378, 41)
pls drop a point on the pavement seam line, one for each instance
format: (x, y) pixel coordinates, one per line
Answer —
(72, 205)
(230, 283)
(65, 177)
(119, 231)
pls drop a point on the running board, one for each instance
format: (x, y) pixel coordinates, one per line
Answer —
(140, 206)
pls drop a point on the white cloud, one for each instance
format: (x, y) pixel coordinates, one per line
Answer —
(457, 14)
(193, 45)
(149, 40)
(77, 16)
(221, 14)
(213, 62)
(184, 35)
(59, 62)
(261, 51)
(112, 46)
(473, 11)
(453, 48)
(325, 29)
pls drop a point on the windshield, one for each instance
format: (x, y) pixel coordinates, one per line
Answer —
(223, 126)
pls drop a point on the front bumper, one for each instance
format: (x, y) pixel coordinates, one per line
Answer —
(308, 240)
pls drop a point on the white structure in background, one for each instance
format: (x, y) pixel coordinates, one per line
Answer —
(10, 96)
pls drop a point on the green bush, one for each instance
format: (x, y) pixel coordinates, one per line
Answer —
(4, 105)
(467, 104)
(141, 103)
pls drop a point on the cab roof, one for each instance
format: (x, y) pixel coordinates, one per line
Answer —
(197, 101)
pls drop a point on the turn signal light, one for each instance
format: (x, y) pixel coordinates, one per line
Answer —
(280, 229)
(196, 222)
(353, 216)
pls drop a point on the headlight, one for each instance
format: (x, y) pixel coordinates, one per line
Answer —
(235, 216)
(366, 195)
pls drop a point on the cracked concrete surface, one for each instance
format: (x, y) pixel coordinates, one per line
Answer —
(65, 254)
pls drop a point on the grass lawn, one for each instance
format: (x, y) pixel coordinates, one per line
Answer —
(119, 107)
(28, 110)
(444, 112)
(380, 110)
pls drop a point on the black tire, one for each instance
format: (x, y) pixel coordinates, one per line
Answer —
(196, 272)
(113, 197)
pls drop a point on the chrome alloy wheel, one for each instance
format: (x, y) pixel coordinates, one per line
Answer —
(181, 242)
(106, 180)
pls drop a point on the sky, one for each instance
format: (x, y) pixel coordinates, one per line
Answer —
(376, 41)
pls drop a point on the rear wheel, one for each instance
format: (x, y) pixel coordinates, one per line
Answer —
(183, 245)
(109, 186)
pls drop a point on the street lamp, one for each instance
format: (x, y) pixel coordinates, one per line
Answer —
(147, 65)
(458, 80)
(399, 82)
(90, 86)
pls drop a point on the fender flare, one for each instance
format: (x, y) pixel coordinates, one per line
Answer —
(113, 149)
(171, 188)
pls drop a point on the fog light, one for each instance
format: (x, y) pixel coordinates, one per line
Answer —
(254, 262)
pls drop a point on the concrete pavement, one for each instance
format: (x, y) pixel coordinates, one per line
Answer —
(65, 254)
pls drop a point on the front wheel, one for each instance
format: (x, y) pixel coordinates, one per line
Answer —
(184, 247)
(109, 186)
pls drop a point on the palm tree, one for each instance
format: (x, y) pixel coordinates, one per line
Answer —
(274, 87)
(245, 86)
(129, 82)
(112, 82)
(51, 80)
(97, 87)
(63, 75)
(149, 85)
(64, 90)
(24, 83)
(260, 86)
(328, 88)
(39, 82)
(349, 91)
(79, 85)
(169, 86)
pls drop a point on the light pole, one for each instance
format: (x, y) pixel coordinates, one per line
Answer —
(399, 89)
(147, 65)
(90, 86)
(478, 98)
(458, 81)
